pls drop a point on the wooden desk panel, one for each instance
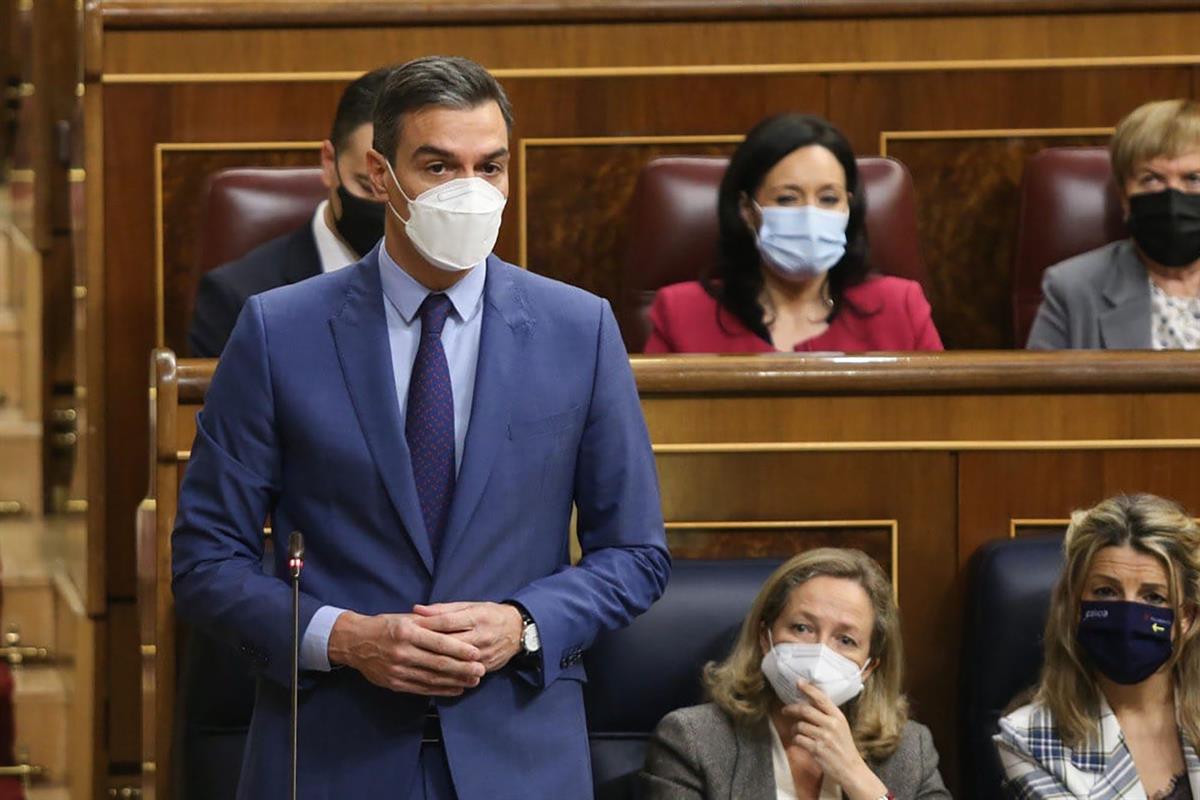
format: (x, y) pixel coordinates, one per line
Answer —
(739, 476)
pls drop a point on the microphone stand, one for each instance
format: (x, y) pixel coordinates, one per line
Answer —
(295, 565)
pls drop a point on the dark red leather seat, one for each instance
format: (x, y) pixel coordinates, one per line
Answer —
(1069, 205)
(247, 207)
(673, 228)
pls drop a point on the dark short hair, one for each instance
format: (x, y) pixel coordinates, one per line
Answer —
(449, 81)
(356, 105)
(737, 280)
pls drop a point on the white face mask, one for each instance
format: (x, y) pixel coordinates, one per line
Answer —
(454, 225)
(830, 671)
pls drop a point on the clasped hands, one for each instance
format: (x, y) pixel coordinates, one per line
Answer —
(440, 650)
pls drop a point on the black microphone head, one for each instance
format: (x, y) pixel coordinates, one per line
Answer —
(296, 545)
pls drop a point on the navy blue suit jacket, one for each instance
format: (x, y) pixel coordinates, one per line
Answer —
(222, 292)
(302, 424)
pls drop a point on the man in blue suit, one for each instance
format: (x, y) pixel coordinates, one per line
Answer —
(428, 417)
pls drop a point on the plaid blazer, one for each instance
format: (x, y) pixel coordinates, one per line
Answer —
(1039, 766)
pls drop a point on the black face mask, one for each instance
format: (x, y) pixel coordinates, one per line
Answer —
(1166, 225)
(361, 223)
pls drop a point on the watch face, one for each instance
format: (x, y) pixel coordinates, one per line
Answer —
(530, 639)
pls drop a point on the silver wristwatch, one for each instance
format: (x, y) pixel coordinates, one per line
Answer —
(531, 643)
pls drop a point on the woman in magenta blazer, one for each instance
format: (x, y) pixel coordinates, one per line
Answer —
(791, 271)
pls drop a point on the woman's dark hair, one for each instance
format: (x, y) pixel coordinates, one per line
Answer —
(737, 280)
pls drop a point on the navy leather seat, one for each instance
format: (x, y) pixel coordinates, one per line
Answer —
(639, 674)
(1009, 596)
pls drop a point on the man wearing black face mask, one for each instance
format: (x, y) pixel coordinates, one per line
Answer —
(343, 229)
(1142, 292)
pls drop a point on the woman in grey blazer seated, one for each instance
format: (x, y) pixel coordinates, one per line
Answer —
(1142, 292)
(808, 704)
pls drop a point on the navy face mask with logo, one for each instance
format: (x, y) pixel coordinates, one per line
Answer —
(1127, 642)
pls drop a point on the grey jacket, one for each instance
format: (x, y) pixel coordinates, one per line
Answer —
(1096, 301)
(698, 753)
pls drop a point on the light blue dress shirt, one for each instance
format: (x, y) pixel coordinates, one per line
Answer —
(460, 339)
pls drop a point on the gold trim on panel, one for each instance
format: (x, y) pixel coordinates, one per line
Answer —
(159, 312)
(986, 133)
(26, 90)
(892, 526)
(149, 650)
(79, 292)
(189, 147)
(183, 455)
(683, 70)
(76, 175)
(1015, 523)
(523, 146)
(692, 448)
(21, 176)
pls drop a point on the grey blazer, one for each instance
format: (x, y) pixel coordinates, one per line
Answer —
(698, 753)
(1096, 301)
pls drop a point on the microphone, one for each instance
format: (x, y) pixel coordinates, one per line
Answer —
(295, 565)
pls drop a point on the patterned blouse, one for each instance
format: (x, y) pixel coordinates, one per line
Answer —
(1175, 320)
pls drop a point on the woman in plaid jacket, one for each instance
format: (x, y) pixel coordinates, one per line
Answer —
(1117, 711)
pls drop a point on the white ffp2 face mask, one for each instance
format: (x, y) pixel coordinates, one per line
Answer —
(453, 225)
(831, 672)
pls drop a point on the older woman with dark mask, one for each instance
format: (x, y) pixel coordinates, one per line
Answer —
(1142, 292)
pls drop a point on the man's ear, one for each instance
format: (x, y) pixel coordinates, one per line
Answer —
(379, 176)
(329, 176)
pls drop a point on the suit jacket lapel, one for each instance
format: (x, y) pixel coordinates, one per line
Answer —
(506, 329)
(361, 337)
(1125, 325)
(1120, 779)
(753, 771)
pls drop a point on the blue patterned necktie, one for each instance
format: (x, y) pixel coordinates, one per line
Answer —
(429, 420)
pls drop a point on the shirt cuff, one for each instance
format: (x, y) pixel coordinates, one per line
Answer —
(314, 647)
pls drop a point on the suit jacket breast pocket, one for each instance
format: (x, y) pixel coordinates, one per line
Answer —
(545, 426)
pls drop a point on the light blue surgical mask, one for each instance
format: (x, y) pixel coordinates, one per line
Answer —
(801, 242)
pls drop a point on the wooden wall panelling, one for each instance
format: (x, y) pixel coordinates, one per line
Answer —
(997, 488)
(146, 14)
(581, 237)
(967, 188)
(599, 45)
